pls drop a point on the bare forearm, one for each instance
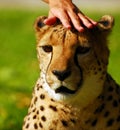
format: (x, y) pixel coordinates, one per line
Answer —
(47, 1)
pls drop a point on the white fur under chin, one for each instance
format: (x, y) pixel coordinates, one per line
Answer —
(52, 93)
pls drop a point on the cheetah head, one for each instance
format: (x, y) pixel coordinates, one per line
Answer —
(73, 65)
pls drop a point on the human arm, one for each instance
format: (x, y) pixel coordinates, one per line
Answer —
(67, 13)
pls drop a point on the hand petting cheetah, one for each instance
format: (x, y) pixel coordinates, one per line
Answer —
(74, 90)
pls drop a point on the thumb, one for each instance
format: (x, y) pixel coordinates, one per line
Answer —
(50, 20)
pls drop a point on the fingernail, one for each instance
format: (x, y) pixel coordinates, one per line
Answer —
(45, 21)
(68, 26)
(90, 25)
(95, 23)
(81, 29)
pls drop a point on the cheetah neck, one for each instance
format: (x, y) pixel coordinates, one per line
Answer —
(90, 90)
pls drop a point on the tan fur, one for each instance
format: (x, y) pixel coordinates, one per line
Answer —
(74, 91)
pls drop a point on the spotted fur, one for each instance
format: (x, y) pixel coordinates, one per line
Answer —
(74, 91)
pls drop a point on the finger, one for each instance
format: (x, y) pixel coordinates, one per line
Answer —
(85, 21)
(92, 21)
(76, 21)
(63, 17)
(89, 23)
(51, 19)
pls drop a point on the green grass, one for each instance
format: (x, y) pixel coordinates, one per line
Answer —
(19, 66)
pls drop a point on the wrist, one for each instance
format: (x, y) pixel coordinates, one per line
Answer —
(47, 1)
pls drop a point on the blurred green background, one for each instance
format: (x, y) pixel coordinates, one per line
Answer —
(19, 66)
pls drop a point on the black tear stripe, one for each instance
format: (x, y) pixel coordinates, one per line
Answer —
(77, 64)
(49, 64)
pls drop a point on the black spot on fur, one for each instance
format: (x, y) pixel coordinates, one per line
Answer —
(98, 62)
(40, 124)
(38, 87)
(94, 122)
(29, 113)
(117, 89)
(52, 100)
(28, 118)
(66, 111)
(31, 105)
(41, 86)
(34, 110)
(73, 121)
(110, 89)
(34, 117)
(42, 108)
(42, 96)
(101, 97)
(65, 123)
(106, 114)
(100, 69)
(95, 72)
(110, 122)
(51, 129)
(99, 109)
(118, 118)
(43, 118)
(110, 98)
(37, 112)
(27, 126)
(35, 126)
(115, 103)
(35, 100)
(53, 108)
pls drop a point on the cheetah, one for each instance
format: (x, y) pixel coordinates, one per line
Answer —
(74, 90)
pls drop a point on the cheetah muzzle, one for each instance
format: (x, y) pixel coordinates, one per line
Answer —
(74, 90)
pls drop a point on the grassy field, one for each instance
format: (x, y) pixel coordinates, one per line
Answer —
(19, 66)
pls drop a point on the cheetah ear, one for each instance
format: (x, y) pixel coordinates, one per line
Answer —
(39, 23)
(106, 23)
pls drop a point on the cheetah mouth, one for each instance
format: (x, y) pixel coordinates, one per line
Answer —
(63, 89)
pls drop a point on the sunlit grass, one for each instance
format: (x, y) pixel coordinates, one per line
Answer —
(19, 66)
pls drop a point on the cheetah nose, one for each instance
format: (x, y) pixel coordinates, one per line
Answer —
(61, 75)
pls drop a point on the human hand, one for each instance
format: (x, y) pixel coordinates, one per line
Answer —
(68, 13)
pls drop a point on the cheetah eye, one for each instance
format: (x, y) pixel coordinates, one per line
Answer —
(47, 48)
(82, 50)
